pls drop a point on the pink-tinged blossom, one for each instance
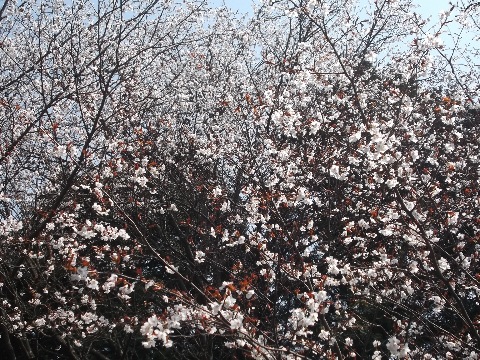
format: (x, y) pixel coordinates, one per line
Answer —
(237, 323)
(393, 346)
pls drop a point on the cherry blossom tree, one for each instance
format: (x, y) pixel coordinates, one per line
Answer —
(180, 182)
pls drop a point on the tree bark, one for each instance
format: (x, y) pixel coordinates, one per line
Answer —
(7, 349)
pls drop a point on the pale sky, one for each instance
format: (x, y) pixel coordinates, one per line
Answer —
(427, 7)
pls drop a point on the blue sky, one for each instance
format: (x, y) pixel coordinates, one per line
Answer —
(241, 5)
(433, 7)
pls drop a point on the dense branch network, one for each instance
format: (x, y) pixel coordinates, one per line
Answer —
(177, 181)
